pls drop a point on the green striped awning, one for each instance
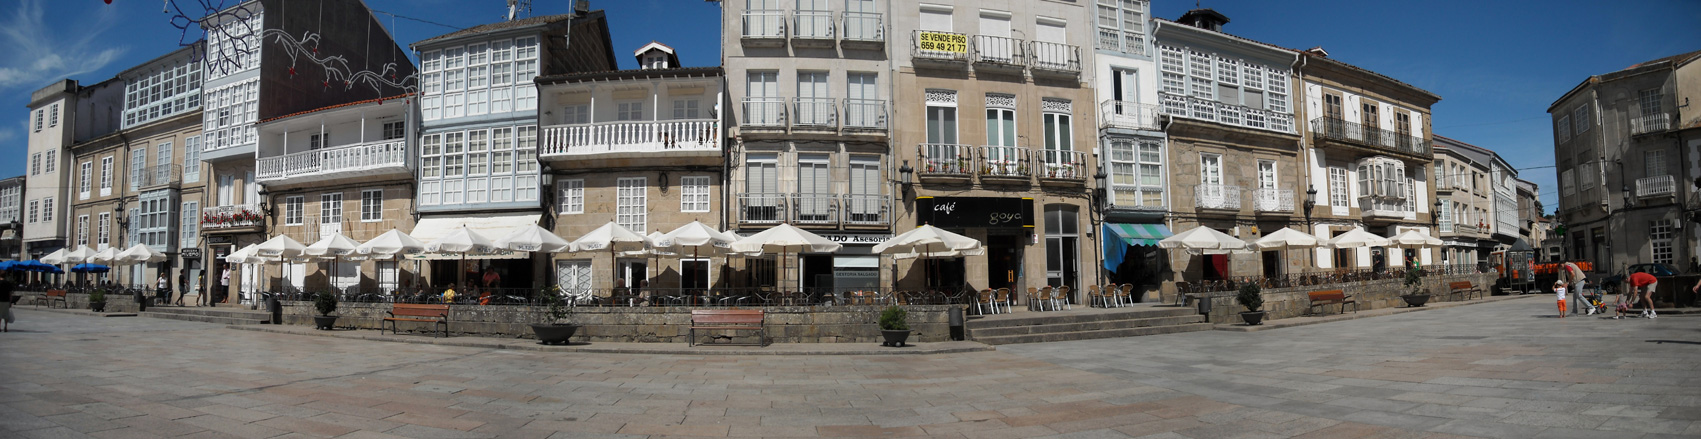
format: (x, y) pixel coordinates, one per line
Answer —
(1139, 234)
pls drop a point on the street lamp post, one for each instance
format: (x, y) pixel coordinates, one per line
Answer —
(1310, 202)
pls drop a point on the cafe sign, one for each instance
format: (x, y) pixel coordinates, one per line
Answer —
(975, 212)
(192, 253)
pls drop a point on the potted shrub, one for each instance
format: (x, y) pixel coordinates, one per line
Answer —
(1251, 297)
(1415, 295)
(553, 327)
(894, 326)
(325, 303)
(97, 300)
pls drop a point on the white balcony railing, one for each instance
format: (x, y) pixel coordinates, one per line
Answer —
(1650, 123)
(815, 112)
(1004, 161)
(761, 24)
(1055, 57)
(1272, 200)
(765, 112)
(358, 157)
(991, 49)
(1384, 207)
(155, 176)
(867, 210)
(865, 114)
(813, 25)
(1659, 185)
(863, 26)
(617, 137)
(1208, 110)
(815, 209)
(1216, 196)
(1062, 165)
(1132, 115)
(220, 217)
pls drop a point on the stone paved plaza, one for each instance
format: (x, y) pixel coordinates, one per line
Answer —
(1504, 369)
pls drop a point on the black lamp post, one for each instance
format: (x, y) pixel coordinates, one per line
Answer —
(1099, 191)
(1629, 201)
(1435, 216)
(905, 172)
(118, 212)
(1310, 202)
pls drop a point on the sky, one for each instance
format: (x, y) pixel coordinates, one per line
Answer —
(1497, 64)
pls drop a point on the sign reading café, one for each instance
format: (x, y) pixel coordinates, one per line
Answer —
(975, 212)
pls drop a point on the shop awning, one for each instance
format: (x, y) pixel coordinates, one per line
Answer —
(1117, 238)
(493, 226)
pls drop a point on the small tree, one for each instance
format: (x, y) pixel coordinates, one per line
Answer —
(1250, 296)
(894, 319)
(552, 308)
(97, 296)
(1414, 281)
(325, 303)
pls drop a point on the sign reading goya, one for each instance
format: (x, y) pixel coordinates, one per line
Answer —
(943, 42)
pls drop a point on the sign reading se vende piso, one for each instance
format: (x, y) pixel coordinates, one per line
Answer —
(943, 42)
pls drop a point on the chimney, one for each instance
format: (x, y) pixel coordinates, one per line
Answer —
(1206, 18)
(581, 7)
(1318, 51)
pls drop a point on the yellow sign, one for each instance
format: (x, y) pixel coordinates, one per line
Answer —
(943, 42)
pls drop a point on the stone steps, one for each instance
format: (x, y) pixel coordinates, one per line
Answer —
(1091, 324)
(221, 315)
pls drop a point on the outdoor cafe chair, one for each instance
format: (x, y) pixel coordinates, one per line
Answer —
(1045, 298)
(1003, 295)
(1125, 295)
(985, 302)
(1062, 296)
(1033, 299)
(1094, 298)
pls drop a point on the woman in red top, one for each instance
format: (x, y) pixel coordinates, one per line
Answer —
(1642, 286)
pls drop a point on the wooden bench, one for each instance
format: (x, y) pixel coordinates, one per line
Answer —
(1330, 297)
(727, 319)
(51, 296)
(1463, 287)
(404, 312)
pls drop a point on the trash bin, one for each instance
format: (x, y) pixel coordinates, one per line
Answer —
(276, 308)
(954, 317)
(1205, 307)
(141, 300)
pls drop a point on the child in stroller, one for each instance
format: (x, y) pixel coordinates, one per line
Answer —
(1593, 302)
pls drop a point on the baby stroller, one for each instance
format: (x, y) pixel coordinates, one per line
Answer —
(1592, 302)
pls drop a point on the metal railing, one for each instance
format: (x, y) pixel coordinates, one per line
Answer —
(764, 112)
(761, 208)
(1650, 123)
(219, 217)
(867, 210)
(1392, 141)
(813, 25)
(1111, 39)
(945, 159)
(1124, 114)
(1205, 109)
(954, 46)
(1216, 196)
(607, 137)
(765, 24)
(1272, 200)
(155, 176)
(814, 112)
(991, 49)
(1062, 165)
(865, 114)
(1379, 206)
(1658, 185)
(1004, 161)
(357, 157)
(1057, 57)
(863, 26)
(815, 209)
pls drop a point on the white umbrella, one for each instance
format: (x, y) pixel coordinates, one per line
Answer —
(1356, 238)
(281, 246)
(79, 255)
(698, 238)
(1287, 239)
(1411, 238)
(615, 239)
(463, 240)
(931, 242)
(784, 238)
(391, 244)
(55, 258)
(245, 255)
(532, 238)
(139, 254)
(104, 256)
(333, 247)
(1203, 239)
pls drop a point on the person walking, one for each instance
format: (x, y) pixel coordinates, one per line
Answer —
(1642, 286)
(1559, 292)
(1573, 278)
(224, 285)
(182, 286)
(5, 305)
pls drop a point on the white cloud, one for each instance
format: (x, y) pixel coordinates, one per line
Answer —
(42, 53)
(7, 135)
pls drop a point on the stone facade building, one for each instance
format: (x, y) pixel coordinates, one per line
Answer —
(1467, 202)
(11, 217)
(1132, 148)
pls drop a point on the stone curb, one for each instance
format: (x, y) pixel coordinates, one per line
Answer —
(1302, 321)
(83, 312)
(632, 348)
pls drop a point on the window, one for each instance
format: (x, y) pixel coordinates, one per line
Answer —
(1136, 170)
(106, 176)
(1266, 174)
(1208, 86)
(192, 159)
(105, 231)
(686, 109)
(371, 205)
(1338, 195)
(1649, 101)
(1654, 163)
(1567, 182)
(138, 164)
(162, 93)
(394, 130)
(814, 192)
(1059, 139)
(1586, 176)
(630, 204)
(1121, 25)
(83, 230)
(630, 111)
(83, 182)
(1211, 178)
(191, 216)
(1580, 119)
(292, 210)
(761, 187)
(51, 161)
(316, 141)
(331, 208)
(865, 205)
(694, 194)
(236, 107)
(39, 114)
(1661, 237)
(53, 116)
(47, 210)
(581, 114)
(35, 164)
(34, 205)
(572, 196)
(150, 221)
(1562, 129)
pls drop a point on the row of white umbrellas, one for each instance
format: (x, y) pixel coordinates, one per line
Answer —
(1210, 241)
(136, 254)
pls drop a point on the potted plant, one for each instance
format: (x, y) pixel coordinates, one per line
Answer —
(894, 326)
(1415, 295)
(552, 327)
(97, 300)
(1251, 297)
(325, 303)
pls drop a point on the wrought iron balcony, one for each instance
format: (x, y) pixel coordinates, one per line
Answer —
(1216, 196)
(1062, 165)
(764, 112)
(701, 135)
(939, 46)
(867, 210)
(863, 27)
(809, 27)
(761, 208)
(865, 114)
(1131, 115)
(1272, 200)
(1004, 162)
(764, 27)
(1650, 123)
(815, 209)
(945, 160)
(1656, 186)
(335, 162)
(1371, 137)
(815, 113)
(158, 175)
(1056, 57)
(224, 217)
(993, 50)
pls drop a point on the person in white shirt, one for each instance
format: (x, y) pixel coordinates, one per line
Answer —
(1559, 290)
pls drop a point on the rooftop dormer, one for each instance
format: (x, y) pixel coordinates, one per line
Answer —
(1207, 18)
(656, 56)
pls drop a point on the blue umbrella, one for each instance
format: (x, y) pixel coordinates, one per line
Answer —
(90, 268)
(11, 265)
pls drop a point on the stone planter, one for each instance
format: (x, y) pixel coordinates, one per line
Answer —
(1413, 300)
(97, 306)
(895, 338)
(554, 334)
(324, 323)
(1253, 318)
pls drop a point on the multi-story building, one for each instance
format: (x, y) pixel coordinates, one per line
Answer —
(1462, 175)
(1132, 148)
(1232, 139)
(1619, 142)
(11, 217)
(809, 84)
(257, 69)
(163, 192)
(101, 195)
(479, 110)
(1530, 217)
(47, 193)
(1001, 139)
(641, 148)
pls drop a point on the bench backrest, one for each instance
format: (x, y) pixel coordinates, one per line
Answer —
(413, 310)
(1327, 295)
(730, 316)
(1464, 285)
(55, 293)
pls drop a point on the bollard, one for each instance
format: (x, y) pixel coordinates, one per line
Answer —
(954, 317)
(276, 308)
